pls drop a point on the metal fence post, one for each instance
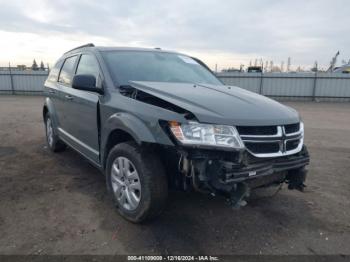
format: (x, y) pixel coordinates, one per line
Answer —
(261, 84)
(314, 87)
(11, 80)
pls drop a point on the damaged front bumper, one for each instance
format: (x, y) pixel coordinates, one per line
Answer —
(234, 174)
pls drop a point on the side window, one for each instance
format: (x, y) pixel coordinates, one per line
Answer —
(67, 71)
(88, 65)
(55, 71)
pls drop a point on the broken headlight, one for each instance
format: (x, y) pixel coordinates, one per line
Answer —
(194, 133)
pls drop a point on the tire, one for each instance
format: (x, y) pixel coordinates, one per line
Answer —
(145, 196)
(53, 142)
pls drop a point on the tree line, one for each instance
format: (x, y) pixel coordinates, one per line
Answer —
(42, 67)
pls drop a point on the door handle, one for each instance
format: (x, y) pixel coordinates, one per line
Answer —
(69, 97)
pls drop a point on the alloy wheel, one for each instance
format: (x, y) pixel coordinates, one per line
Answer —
(126, 183)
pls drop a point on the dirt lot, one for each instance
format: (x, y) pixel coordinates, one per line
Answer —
(57, 203)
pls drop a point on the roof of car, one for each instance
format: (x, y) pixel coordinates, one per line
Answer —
(108, 48)
(105, 48)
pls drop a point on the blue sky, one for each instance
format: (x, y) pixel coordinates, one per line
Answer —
(224, 32)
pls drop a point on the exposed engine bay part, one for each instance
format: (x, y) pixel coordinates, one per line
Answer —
(187, 170)
(236, 180)
(142, 96)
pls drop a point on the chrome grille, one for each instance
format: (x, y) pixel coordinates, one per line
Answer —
(272, 141)
(268, 147)
(293, 128)
(257, 130)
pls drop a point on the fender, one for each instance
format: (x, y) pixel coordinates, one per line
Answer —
(134, 126)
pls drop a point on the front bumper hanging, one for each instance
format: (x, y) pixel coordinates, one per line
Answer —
(233, 173)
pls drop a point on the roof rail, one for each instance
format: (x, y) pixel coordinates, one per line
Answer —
(87, 45)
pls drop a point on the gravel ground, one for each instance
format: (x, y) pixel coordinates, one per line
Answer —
(57, 203)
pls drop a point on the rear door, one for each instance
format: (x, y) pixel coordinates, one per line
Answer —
(80, 113)
(52, 91)
(63, 85)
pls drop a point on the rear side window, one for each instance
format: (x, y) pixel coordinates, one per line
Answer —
(55, 71)
(67, 71)
(88, 65)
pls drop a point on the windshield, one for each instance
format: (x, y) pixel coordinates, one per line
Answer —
(128, 66)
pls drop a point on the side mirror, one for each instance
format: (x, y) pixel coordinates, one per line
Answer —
(86, 82)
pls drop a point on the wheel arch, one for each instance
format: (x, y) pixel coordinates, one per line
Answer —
(48, 107)
(115, 137)
(122, 127)
(45, 111)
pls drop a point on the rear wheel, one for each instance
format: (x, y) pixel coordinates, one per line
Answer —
(136, 181)
(53, 142)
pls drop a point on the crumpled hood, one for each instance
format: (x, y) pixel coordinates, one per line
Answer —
(221, 104)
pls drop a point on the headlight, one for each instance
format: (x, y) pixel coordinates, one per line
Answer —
(195, 133)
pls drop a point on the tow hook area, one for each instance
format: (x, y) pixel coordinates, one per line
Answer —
(296, 178)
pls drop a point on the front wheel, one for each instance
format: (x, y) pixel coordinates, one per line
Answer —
(53, 142)
(136, 181)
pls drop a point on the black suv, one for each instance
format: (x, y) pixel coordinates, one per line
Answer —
(151, 120)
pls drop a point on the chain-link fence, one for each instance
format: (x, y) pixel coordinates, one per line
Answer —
(22, 82)
(293, 86)
(297, 86)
